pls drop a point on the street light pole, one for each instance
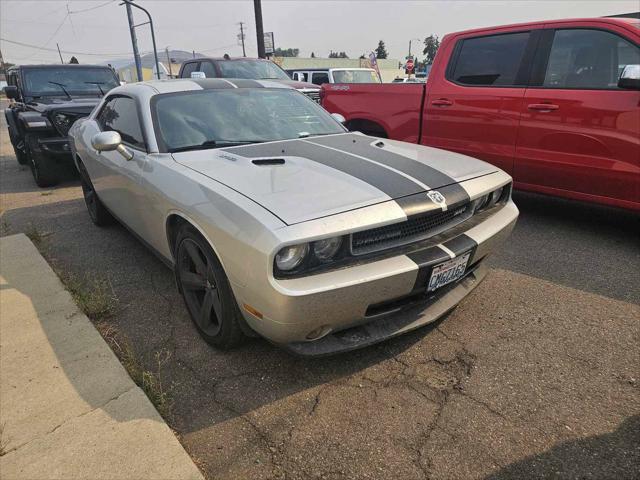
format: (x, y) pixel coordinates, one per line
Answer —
(134, 42)
(244, 54)
(257, 8)
(129, 4)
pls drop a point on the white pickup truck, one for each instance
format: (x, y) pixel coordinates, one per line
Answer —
(319, 76)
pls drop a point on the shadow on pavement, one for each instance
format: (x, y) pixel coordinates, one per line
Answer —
(612, 455)
(582, 246)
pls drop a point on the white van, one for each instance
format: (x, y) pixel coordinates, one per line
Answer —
(319, 76)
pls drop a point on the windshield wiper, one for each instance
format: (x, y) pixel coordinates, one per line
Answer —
(61, 85)
(214, 144)
(98, 84)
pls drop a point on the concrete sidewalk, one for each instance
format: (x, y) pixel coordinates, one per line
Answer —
(68, 409)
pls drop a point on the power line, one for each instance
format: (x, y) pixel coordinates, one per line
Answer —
(91, 8)
(53, 35)
(63, 51)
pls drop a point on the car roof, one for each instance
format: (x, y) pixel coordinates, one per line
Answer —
(66, 65)
(230, 59)
(625, 22)
(194, 84)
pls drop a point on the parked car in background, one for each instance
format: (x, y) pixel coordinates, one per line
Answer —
(318, 239)
(408, 80)
(45, 101)
(320, 76)
(555, 104)
(250, 68)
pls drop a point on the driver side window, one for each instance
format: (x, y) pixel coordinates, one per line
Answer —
(121, 115)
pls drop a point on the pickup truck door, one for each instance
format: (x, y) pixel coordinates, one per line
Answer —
(117, 180)
(474, 100)
(579, 132)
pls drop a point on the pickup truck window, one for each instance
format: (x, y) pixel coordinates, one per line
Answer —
(319, 78)
(188, 69)
(490, 60)
(588, 59)
(208, 69)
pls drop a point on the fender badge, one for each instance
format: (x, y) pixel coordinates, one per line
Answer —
(437, 198)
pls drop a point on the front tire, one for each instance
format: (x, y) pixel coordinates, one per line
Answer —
(98, 213)
(206, 291)
(42, 168)
(21, 155)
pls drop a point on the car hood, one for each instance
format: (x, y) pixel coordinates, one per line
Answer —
(80, 104)
(298, 85)
(306, 179)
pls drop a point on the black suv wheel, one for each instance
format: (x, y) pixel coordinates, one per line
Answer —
(42, 168)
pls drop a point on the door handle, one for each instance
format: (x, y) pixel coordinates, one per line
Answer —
(543, 107)
(442, 102)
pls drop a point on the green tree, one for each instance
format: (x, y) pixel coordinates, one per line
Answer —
(286, 52)
(431, 45)
(381, 51)
(333, 54)
(313, 55)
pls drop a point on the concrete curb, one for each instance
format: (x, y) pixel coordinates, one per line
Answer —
(69, 410)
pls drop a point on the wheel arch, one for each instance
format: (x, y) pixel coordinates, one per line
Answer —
(174, 221)
(368, 127)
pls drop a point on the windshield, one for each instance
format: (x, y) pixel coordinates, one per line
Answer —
(355, 76)
(252, 69)
(224, 117)
(75, 80)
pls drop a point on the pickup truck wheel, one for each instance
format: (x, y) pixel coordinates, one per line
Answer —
(41, 167)
(206, 290)
(98, 213)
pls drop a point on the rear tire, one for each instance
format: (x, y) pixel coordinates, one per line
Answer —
(42, 168)
(98, 213)
(206, 291)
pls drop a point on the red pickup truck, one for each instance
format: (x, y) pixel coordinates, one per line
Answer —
(556, 104)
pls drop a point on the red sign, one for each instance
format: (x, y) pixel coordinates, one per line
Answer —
(410, 64)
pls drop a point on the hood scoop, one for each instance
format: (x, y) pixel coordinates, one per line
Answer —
(268, 161)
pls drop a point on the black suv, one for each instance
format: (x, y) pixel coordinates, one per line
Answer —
(45, 101)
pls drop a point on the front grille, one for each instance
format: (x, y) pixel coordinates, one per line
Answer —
(416, 228)
(313, 95)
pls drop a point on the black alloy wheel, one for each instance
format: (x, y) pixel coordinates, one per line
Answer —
(97, 212)
(206, 290)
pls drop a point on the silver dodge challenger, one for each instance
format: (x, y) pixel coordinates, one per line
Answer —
(276, 220)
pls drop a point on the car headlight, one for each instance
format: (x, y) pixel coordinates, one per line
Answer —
(290, 257)
(490, 199)
(62, 123)
(325, 250)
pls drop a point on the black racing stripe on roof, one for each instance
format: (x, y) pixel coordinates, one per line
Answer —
(245, 83)
(212, 83)
(385, 180)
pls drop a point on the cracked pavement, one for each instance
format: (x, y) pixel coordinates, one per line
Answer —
(535, 374)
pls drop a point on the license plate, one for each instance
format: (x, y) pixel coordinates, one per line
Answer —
(448, 272)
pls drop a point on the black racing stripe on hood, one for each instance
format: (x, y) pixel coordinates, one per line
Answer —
(461, 244)
(420, 203)
(385, 180)
(361, 145)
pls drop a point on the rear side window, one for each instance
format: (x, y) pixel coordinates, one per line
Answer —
(588, 59)
(319, 78)
(208, 69)
(188, 69)
(121, 115)
(490, 61)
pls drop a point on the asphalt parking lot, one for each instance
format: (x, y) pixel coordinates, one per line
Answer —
(535, 375)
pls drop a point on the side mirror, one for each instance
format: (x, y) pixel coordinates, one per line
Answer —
(339, 118)
(630, 78)
(11, 91)
(110, 141)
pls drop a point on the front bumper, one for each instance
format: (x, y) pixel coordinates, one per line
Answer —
(382, 298)
(55, 146)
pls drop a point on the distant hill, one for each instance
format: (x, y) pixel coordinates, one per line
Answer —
(177, 56)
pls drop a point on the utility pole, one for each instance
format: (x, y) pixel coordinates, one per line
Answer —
(168, 62)
(244, 54)
(257, 8)
(134, 42)
(61, 60)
